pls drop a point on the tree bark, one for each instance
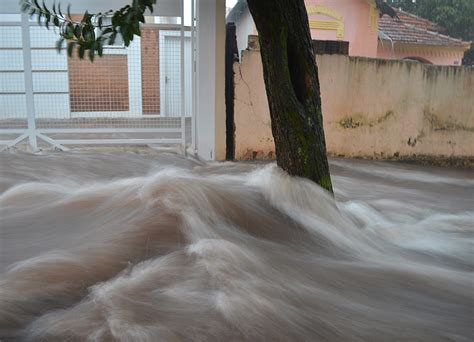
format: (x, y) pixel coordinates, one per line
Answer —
(292, 85)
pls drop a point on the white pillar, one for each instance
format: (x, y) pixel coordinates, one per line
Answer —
(210, 104)
(27, 70)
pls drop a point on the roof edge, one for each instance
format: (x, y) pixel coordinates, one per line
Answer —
(237, 11)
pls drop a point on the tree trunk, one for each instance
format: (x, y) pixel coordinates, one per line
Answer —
(292, 85)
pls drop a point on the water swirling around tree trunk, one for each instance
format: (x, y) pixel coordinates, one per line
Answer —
(170, 249)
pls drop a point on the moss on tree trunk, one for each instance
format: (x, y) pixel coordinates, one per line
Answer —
(292, 85)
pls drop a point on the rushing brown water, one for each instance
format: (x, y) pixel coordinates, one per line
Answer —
(155, 247)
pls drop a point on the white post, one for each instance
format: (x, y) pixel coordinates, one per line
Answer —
(193, 78)
(183, 114)
(134, 66)
(28, 72)
(210, 79)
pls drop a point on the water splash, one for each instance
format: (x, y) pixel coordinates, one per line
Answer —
(228, 252)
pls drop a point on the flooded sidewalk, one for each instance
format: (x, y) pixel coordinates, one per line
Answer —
(146, 245)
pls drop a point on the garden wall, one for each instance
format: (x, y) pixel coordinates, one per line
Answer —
(372, 108)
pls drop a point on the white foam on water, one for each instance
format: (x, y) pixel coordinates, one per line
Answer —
(186, 251)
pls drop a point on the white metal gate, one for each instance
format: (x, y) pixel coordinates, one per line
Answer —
(142, 94)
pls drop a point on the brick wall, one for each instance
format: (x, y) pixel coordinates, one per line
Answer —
(150, 59)
(101, 86)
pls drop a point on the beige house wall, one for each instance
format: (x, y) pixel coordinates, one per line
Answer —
(372, 108)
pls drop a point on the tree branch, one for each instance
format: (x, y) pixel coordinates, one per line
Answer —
(81, 35)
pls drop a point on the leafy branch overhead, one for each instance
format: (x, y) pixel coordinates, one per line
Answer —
(93, 31)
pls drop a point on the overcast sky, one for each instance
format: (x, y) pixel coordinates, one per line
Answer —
(230, 3)
(11, 6)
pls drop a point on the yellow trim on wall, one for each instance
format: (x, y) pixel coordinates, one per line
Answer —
(324, 10)
(373, 17)
(337, 25)
(328, 25)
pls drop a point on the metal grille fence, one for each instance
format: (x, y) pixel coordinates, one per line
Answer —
(142, 94)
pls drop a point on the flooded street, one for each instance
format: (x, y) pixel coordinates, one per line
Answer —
(153, 246)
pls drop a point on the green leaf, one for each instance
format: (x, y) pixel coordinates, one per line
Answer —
(129, 18)
(56, 21)
(45, 8)
(77, 31)
(70, 48)
(107, 31)
(38, 18)
(115, 19)
(59, 44)
(47, 18)
(69, 31)
(100, 49)
(25, 7)
(82, 50)
(86, 18)
(112, 38)
(125, 35)
(92, 52)
(88, 33)
(136, 29)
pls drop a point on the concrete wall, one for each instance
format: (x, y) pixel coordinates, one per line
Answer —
(372, 108)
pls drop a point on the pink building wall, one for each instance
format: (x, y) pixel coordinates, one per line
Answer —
(361, 31)
(358, 31)
(360, 28)
(430, 54)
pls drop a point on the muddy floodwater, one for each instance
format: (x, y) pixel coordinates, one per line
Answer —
(153, 246)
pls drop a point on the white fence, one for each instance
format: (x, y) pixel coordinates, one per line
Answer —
(142, 94)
